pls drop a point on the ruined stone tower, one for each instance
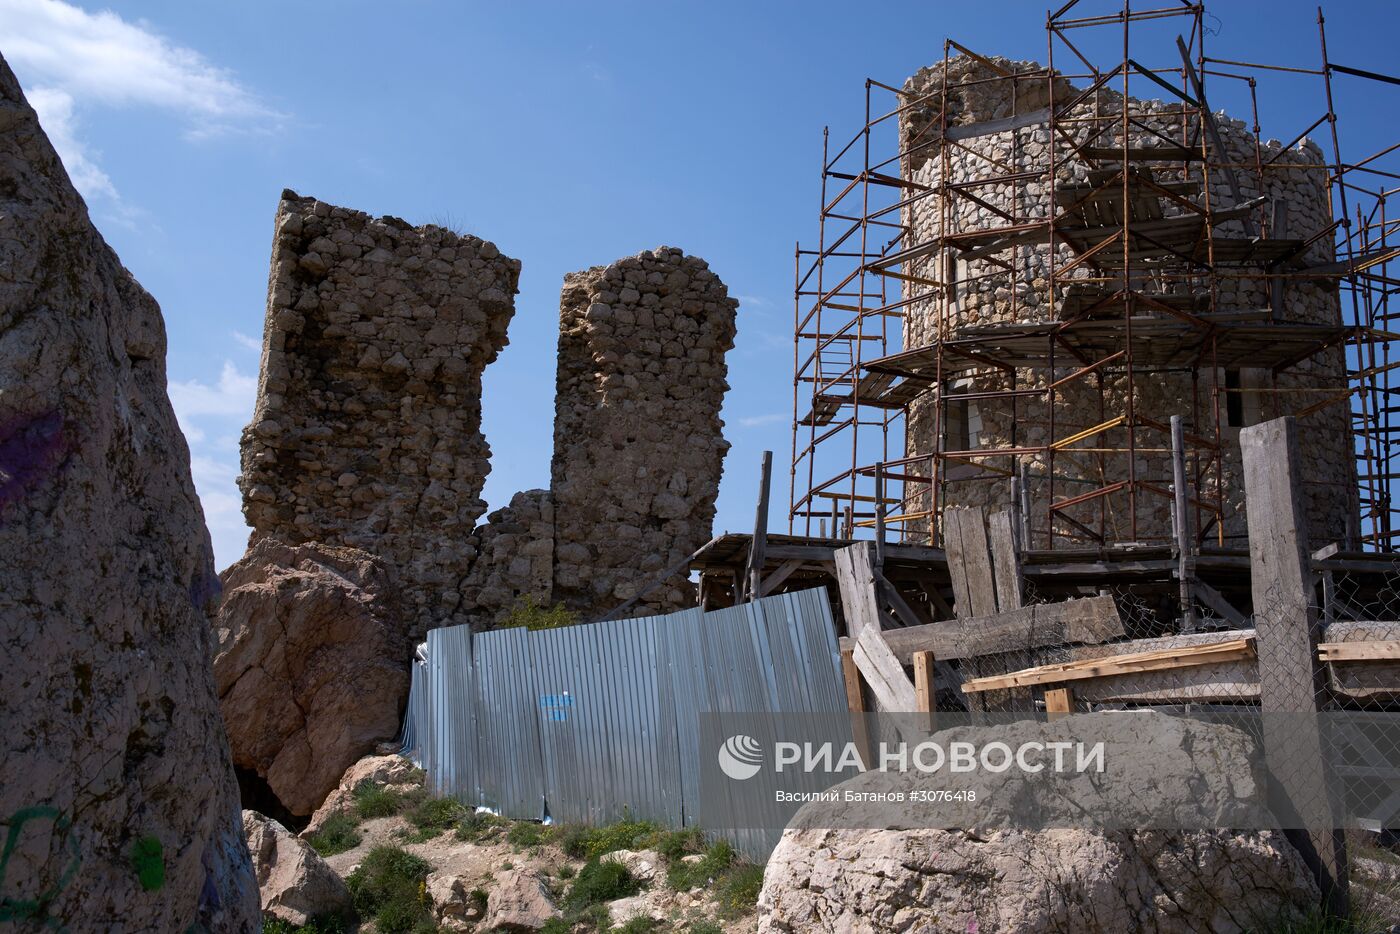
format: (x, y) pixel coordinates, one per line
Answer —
(1028, 315)
(367, 431)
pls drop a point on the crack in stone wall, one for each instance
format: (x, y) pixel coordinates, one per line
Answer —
(367, 430)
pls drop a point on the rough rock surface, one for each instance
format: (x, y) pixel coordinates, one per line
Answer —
(311, 666)
(391, 770)
(834, 875)
(519, 901)
(295, 883)
(455, 906)
(515, 559)
(115, 782)
(638, 442)
(367, 430)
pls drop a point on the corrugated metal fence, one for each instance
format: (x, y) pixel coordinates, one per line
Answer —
(598, 722)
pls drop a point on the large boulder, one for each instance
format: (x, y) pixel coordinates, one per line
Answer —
(519, 901)
(311, 667)
(118, 802)
(295, 883)
(1036, 853)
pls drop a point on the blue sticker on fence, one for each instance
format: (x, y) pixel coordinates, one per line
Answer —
(556, 706)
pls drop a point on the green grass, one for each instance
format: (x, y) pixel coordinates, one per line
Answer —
(478, 827)
(704, 927)
(598, 883)
(316, 926)
(738, 889)
(528, 612)
(736, 884)
(373, 800)
(527, 834)
(638, 925)
(718, 859)
(338, 834)
(592, 842)
(432, 816)
(388, 888)
(673, 844)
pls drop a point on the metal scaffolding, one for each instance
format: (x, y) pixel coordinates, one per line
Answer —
(1142, 270)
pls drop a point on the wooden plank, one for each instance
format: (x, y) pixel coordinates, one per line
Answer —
(1372, 651)
(1134, 663)
(970, 562)
(757, 544)
(1288, 630)
(1001, 125)
(775, 580)
(1006, 560)
(855, 574)
(1059, 702)
(1217, 602)
(1081, 620)
(855, 703)
(924, 678)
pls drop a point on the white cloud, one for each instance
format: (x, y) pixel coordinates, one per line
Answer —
(252, 343)
(216, 483)
(232, 395)
(55, 110)
(68, 58)
(753, 300)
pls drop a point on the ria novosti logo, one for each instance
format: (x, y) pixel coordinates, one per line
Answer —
(740, 757)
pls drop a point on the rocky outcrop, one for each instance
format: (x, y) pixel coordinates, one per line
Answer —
(979, 867)
(367, 430)
(391, 771)
(519, 901)
(311, 665)
(295, 883)
(117, 797)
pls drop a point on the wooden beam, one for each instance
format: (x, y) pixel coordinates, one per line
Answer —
(754, 578)
(1134, 663)
(1372, 651)
(1291, 680)
(969, 562)
(924, 676)
(775, 580)
(855, 575)
(855, 703)
(1083, 620)
(1059, 702)
(1006, 560)
(1217, 602)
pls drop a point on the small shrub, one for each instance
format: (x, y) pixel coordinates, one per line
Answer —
(373, 800)
(738, 888)
(479, 899)
(566, 871)
(330, 925)
(338, 834)
(528, 612)
(600, 882)
(685, 876)
(432, 816)
(526, 834)
(477, 826)
(388, 888)
(638, 925)
(673, 844)
(592, 842)
(704, 927)
(557, 926)
(507, 865)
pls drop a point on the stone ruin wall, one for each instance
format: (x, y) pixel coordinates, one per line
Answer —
(367, 429)
(638, 442)
(985, 296)
(638, 445)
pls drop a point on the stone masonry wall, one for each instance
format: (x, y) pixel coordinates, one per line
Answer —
(367, 430)
(638, 441)
(986, 294)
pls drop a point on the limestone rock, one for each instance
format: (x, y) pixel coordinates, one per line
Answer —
(311, 666)
(374, 388)
(519, 901)
(296, 885)
(455, 907)
(116, 788)
(642, 864)
(388, 769)
(650, 904)
(833, 875)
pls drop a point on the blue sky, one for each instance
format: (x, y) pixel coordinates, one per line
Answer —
(568, 133)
